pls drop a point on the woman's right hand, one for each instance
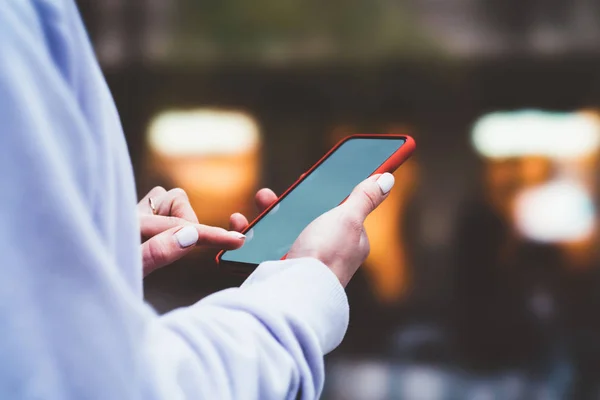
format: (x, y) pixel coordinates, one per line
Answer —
(338, 238)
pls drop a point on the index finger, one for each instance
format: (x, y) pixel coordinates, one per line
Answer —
(369, 194)
(264, 198)
(152, 225)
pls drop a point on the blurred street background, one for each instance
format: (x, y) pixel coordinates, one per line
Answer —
(484, 276)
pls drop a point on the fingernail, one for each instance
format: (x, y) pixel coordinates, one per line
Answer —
(237, 235)
(386, 182)
(186, 236)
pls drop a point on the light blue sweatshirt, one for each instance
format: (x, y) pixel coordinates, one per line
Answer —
(73, 322)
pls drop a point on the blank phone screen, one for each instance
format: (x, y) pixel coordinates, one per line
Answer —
(320, 191)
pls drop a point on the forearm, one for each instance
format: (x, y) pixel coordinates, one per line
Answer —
(265, 340)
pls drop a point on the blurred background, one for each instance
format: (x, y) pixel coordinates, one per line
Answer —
(484, 278)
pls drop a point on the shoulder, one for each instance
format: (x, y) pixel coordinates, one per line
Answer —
(36, 38)
(21, 28)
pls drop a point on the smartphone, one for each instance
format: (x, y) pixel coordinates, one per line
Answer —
(326, 185)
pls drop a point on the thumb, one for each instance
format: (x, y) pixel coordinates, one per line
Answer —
(176, 242)
(369, 194)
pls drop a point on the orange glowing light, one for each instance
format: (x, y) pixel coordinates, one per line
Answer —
(387, 264)
(214, 155)
(532, 152)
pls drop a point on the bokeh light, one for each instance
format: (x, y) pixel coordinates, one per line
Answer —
(212, 154)
(556, 212)
(526, 133)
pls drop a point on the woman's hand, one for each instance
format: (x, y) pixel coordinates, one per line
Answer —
(337, 238)
(170, 228)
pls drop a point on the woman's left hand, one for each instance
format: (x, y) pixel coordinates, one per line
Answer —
(170, 228)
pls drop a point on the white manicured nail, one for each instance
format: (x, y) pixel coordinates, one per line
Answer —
(386, 182)
(237, 235)
(187, 236)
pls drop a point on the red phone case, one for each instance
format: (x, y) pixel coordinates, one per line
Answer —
(389, 165)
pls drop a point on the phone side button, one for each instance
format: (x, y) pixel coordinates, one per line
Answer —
(302, 176)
